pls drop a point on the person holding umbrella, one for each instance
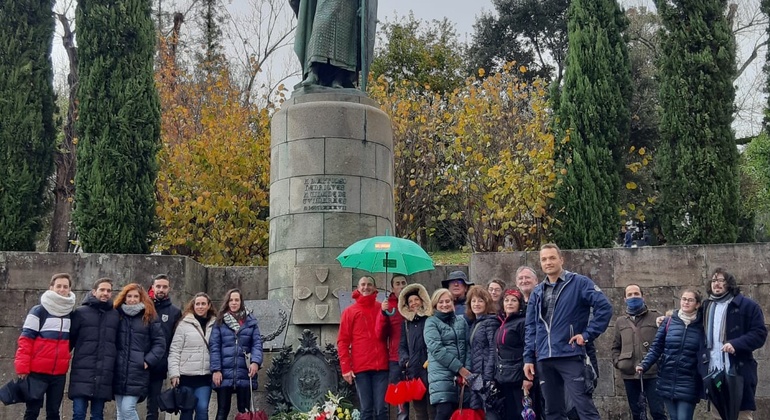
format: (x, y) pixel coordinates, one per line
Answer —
(414, 306)
(735, 327)
(446, 337)
(388, 328)
(678, 343)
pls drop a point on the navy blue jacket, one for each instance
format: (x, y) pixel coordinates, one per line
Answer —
(677, 349)
(137, 344)
(483, 352)
(745, 330)
(229, 359)
(93, 334)
(570, 317)
(168, 315)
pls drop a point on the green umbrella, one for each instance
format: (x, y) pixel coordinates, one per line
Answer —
(386, 254)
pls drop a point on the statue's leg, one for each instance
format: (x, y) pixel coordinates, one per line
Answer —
(344, 79)
(312, 78)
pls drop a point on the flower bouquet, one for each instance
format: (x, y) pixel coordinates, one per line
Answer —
(334, 408)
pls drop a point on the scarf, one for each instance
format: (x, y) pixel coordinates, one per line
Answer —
(709, 321)
(132, 310)
(687, 318)
(446, 317)
(233, 320)
(56, 304)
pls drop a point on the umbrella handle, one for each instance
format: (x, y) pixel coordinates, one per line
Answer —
(390, 312)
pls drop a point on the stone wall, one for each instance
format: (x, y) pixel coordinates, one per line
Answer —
(662, 272)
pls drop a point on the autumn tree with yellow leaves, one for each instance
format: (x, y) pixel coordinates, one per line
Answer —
(213, 182)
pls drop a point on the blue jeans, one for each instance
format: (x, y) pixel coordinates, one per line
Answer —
(680, 410)
(202, 397)
(371, 386)
(126, 405)
(654, 402)
(80, 406)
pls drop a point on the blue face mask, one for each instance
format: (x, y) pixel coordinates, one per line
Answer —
(634, 304)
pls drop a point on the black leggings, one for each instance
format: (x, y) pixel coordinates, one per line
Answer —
(224, 396)
(444, 410)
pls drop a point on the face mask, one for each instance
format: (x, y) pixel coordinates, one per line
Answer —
(634, 304)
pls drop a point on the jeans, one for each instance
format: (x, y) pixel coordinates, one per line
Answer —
(225, 395)
(126, 405)
(371, 386)
(54, 394)
(654, 402)
(394, 377)
(202, 397)
(153, 391)
(560, 377)
(80, 406)
(444, 410)
(680, 410)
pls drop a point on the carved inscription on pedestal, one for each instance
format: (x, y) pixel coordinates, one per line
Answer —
(325, 194)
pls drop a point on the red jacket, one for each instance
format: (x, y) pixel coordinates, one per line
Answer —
(44, 344)
(389, 327)
(359, 347)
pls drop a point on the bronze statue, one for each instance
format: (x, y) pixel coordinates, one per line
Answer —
(328, 41)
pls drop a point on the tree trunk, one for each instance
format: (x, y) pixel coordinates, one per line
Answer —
(64, 187)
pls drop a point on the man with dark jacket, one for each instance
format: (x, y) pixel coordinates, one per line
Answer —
(458, 285)
(558, 326)
(44, 349)
(93, 335)
(735, 327)
(634, 333)
(168, 315)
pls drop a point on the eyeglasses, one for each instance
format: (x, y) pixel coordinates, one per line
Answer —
(688, 300)
(720, 280)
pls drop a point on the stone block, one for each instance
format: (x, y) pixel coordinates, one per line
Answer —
(326, 255)
(343, 229)
(9, 336)
(485, 266)
(385, 225)
(279, 162)
(219, 284)
(377, 198)
(316, 290)
(333, 96)
(278, 125)
(649, 266)
(345, 156)
(597, 264)
(324, 194)
(379, 128)
(297, 231)
(281, 269)
(279, 197)
(754, 270)
(33, 270)
(125, 269)
(16, 305)
(251, 280)
(314, 120)
(383, 164)
(305, 157)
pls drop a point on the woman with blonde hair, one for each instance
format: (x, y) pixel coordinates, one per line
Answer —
(446, 340)
(140, 344)
(188, 357)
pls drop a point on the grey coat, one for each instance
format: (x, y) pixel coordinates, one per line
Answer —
(446, 339)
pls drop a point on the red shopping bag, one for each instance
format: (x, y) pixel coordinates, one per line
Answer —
(252, 415)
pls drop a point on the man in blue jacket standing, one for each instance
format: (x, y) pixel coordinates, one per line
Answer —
(558, 326)
(735, 327)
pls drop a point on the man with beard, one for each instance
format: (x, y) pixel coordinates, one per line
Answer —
(735, 327)
(168, 315)
(44, 348)
(93, 334)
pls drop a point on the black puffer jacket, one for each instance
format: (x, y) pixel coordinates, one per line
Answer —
(678, 347)
(137, 343)
(509, 338)
(412, 351)
(92, 336)
(482, 349)
(168, 315)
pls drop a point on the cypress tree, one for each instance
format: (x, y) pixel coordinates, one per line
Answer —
(593, 118)
(27, 132)
(697, 159)
(119, 126)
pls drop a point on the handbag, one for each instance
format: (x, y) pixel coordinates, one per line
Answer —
(589, 375)
(509, 371)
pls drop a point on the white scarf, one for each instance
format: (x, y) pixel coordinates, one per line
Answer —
(56, 304)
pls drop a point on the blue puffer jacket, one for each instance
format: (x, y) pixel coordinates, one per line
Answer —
(570, 317)
(483, 351)
(678, 347)
(445, 336)
(229, 359)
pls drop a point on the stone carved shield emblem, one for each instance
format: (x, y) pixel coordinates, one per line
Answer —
(322, 292)
(316, 289)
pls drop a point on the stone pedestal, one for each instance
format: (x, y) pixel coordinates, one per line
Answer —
(331, 184)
